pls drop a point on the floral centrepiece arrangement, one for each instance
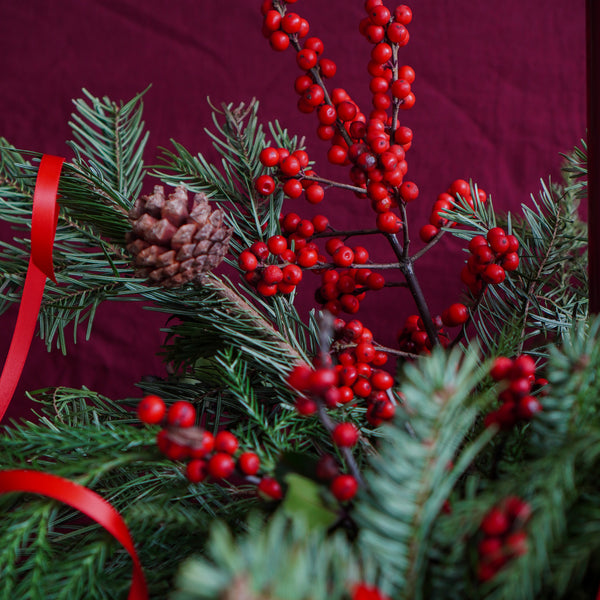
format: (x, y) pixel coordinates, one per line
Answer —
(291, 456)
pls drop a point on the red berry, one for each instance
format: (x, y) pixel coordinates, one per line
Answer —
(276, 244)
(314, 193)
(291, 22)
(493, 274)
(337, 155)
(225, 441)
(327, 67)
(269, 157)
(321, 380)
(307, 257)
(306, 406)
(344, 487)
(500, 368)
(343, 256)
(456, 314)
(381, 53)
(495, 522)
(388, 222)
(151, 409)
(270, 489)
(249, 463)
(314, 43)
(221, 465)
(247, 261)
(181, 414)
(409, 191)
(428, 232)
(292, 274)
(320, 223)
(516, 543)
(260, 250)
(205, 446)
(272, 275)
(407, 73)
(307, 59)
(196, 470)
(510, 261)
(279, 41)
(265, 185)
(345, 435)
(381, 380)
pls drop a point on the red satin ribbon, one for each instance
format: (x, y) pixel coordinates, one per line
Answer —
(88, 502)
(43, 228)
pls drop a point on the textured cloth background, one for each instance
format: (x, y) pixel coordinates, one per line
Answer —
(500, 93)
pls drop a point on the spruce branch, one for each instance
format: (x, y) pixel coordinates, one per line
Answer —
(409, 480)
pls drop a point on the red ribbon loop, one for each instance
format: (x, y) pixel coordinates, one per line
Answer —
(84, 500)
(43, 229)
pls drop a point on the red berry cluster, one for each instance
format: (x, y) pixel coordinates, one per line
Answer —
(413, 338)
(343, 290)
(209, 456)
(375, 146)
(490, 258)
(459, 189)
(503, 536)
(279, 28)
(517, 401)
(269, 278)
(291, 172)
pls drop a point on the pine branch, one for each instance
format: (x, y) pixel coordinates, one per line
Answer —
(280, 559)
(409, 480)
(91, 440)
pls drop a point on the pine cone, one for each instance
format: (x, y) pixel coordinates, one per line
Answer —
(171, 245)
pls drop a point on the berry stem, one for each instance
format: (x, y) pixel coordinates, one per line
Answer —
(345, 234)
(406, 266)
(395, 101)
(430, 245)
(337, 184)
(318, 79)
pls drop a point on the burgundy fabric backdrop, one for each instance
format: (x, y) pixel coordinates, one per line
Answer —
(500, 92)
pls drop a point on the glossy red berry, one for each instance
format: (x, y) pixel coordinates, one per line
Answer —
(292, 274)
(196, 470)
(225, 441)
(307, 59)
(314, 193)
(270, 489)
(203, 447)
(343, 256)
(279, 41)
(493, 274)
(344, 487)
(345, 435)
(265, 185)
(276, 244)
(181, 414)
(249, 463)
(381, 53)
(327, 67)
(221, 465)
(388, 222)
(151, 409)
(403, 14)
(247, 261)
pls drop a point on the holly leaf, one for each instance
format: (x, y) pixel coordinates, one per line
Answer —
(303, 501)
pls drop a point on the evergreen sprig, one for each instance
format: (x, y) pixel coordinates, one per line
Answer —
(410, 479)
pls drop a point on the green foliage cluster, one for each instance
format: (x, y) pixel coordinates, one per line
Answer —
(431, 475)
